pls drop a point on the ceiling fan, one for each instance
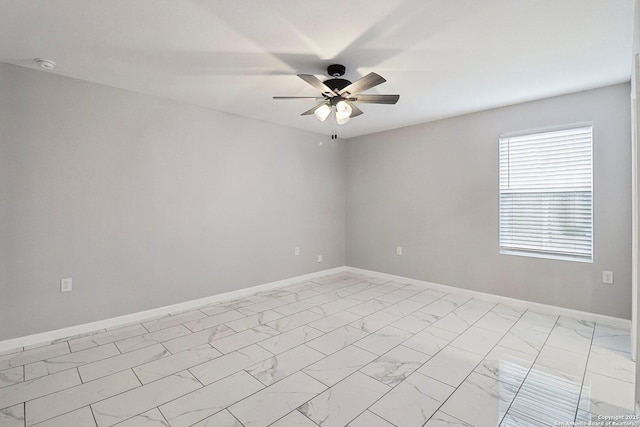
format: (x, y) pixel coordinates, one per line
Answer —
(340, 95)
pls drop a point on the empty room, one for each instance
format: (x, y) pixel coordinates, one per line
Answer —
(382, 213)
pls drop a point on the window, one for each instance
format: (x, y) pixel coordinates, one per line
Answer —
(546, 194)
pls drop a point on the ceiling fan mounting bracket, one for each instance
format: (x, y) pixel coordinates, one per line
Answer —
(336, 70)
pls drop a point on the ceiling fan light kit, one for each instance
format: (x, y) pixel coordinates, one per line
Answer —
(322, 112)
(340, 95)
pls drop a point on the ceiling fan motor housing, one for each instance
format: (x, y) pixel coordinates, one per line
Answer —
(337, 84)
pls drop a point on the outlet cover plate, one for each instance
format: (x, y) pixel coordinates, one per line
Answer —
(66, 285)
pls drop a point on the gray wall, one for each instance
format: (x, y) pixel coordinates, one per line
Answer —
(146, 202)
(433, 189)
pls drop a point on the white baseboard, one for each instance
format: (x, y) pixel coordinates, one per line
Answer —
(58, 334)
(615, 322)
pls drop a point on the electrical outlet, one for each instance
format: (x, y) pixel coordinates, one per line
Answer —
(319, 258)
(607, 277)
(66, 285)
(399, 250)
(296, 251)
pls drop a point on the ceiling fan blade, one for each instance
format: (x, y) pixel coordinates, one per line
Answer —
(375, 99)
(355, 111)
(317, 98)
(315, 82)
(313, 110)
(367, 82)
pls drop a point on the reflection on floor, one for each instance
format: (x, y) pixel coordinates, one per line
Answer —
(340, 350)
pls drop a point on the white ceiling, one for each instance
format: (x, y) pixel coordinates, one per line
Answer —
(444, 57)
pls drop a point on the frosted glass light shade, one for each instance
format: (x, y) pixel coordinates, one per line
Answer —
(343, 110)
(341, 120)
(322, 112)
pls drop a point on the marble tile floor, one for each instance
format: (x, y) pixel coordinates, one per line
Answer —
(339, 350)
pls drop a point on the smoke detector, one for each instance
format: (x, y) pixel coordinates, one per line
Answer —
(47, 64)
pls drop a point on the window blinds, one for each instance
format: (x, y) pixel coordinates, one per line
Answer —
(546, 197)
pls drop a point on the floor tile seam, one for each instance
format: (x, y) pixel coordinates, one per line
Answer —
(455, 418)
(392, 348)
(219, 379)
(435, 300)
(112, 357)
(474, 371)
(515, 395)
(440, 316)
(11, 351)
(200, 309)
(188, 369)
(286, 415)
(204, 319)
(329, 291)
(298, 345)
(54, 417)
(22, 367)
(408, 314)
(415, 371)
(47, 394)
(68, 347)
(477, 364)
(164, 417)
(411, 332)
(516, 318)
(182, 351)
(577, 353)
(88, 404)
(309, 326)
(584, 373)
(59, 415)
(24, 412)
(37, 360)
(69, 339)
(357, 370)
(453, 332)
(150, 344)
(138, 378)
(228, 407)
(166, 351)
(171, 316)
(240, 348)
(632, 382)
(149, 409)
(326, 333)
(392, 388)
(378, 415)
(627, 353)
(288, 375)
(344, 379)
(526, 417)
(217, 325)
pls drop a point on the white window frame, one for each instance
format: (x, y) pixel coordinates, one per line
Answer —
(543, 182)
